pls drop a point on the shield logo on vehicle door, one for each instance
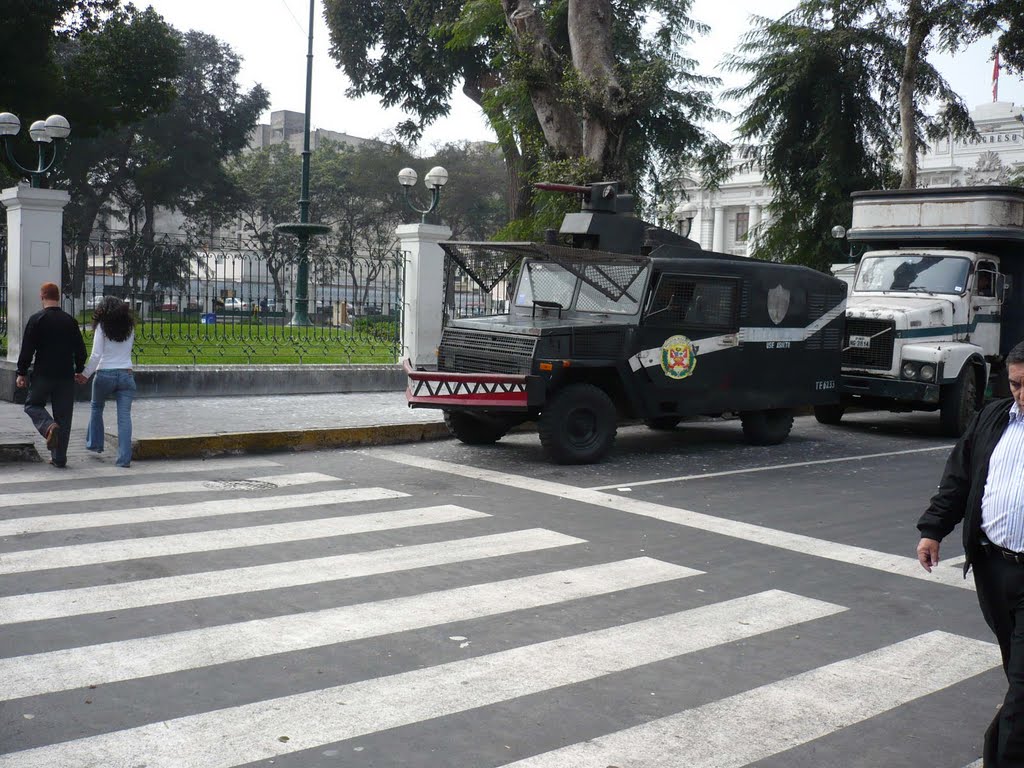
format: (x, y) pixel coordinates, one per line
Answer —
(778, 304)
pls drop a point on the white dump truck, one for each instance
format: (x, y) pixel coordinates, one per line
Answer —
(936, 302)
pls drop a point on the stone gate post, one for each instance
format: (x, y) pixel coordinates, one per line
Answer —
(423, 291)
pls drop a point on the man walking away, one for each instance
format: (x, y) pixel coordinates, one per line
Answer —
(983, 485)
(53, 338)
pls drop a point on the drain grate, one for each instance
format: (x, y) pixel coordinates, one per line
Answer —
(239, 485)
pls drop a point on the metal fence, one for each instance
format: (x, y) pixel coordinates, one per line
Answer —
(466, 297)
(232, 302)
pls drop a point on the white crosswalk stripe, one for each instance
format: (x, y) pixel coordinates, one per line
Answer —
(13, 475)
(141, 490)
(760, 723)
(71, 521)
(133, 659)
(239, 735)
(472, 570)
(23, 561)
(135, 594)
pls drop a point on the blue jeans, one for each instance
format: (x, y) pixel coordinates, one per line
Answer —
(121, 384)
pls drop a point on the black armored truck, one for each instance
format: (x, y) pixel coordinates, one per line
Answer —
(612, 318)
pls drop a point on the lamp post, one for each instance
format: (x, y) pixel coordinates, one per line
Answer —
(839, 233)
(53, 130)
(435, 179)
(684, 215)
(302, 229)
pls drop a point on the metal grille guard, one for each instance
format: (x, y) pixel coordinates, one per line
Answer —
(442, 389)
(488, 263)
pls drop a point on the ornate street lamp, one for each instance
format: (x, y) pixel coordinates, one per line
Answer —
(684, 215)
(302, 229)
(435, 179)
(53, 131)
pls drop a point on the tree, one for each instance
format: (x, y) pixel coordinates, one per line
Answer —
(472, 203)
(559, 80)
(1007, 18)
(817, 132)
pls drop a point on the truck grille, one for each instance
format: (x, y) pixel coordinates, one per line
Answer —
(472, 351)
(879, 355)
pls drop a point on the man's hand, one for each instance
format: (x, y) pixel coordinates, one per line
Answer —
(21, 382)
(80, 379)
(928, 554)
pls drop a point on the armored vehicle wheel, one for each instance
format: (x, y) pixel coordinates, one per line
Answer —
(767, 427)
(473, 429)
(662, 423)
(959, 402)
(829, 414)
(578, 425)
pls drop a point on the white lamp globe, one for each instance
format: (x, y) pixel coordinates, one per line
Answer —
(9, 124)
(58, 127)
(407, 177)
(436, 178)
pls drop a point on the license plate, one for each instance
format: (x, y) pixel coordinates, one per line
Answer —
(860, 342)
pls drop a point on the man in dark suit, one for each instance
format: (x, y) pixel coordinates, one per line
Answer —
(52, 337)
(983, 486)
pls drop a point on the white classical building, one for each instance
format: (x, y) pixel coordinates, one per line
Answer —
(729, 217)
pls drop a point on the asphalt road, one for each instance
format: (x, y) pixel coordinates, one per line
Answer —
(691, 602)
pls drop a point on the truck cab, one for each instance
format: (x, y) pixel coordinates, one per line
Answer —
(615, 319)
(934, 302)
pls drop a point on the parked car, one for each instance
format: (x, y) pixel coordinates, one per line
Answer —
(169, 306)
(233, 304)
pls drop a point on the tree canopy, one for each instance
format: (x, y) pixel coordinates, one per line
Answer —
(602, 85)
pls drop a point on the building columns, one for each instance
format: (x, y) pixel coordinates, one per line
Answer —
(718, 242)
(753, 222)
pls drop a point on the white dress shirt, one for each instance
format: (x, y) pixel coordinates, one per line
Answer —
(1002, 506)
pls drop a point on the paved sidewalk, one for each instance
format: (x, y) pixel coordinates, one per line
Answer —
(192, 427)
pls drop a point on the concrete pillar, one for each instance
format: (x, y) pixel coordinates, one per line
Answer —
(718, 243)
(423, 291)
(34, 221)
(753, 220)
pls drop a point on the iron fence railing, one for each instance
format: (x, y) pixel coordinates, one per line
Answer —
(233, 302)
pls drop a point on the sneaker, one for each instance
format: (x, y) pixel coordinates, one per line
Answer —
(52, 435)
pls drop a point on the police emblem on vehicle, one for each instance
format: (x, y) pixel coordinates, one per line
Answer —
(678, 357)
(778, 304)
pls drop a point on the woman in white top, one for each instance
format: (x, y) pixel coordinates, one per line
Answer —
(111, 361)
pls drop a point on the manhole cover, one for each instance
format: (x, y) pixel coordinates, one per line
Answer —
(239, 485)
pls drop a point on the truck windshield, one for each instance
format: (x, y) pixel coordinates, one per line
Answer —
(547, 282)
(913, 272)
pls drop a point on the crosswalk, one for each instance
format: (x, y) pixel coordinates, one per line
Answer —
(208, 598)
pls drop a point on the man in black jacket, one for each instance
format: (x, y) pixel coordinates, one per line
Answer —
(53, 338)
(983, 486)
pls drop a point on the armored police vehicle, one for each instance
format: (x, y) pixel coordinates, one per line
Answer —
(613, 318)
(937, 301)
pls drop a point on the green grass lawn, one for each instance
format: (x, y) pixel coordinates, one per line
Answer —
(241, 341)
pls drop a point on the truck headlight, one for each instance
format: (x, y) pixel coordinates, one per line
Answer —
(927, 372)
(909, 370)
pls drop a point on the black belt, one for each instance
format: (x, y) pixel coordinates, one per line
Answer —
(1006, 554)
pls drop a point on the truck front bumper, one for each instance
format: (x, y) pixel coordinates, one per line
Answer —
(478, 391)
(854, 385)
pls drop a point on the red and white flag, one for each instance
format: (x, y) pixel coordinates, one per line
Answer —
(995, 78)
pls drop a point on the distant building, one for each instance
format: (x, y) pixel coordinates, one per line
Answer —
(287, 127)
(739, 206)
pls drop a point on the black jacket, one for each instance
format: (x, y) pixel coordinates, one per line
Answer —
(53, 337)
(963, 481)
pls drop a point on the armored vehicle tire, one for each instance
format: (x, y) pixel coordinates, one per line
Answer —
(578, 425)
(473, 429)
(767, 427)
(662, 423)
(829, 414)
(959, 402)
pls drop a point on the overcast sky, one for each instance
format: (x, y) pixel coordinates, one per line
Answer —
(270, 36)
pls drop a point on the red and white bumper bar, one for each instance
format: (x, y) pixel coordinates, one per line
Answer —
(442, 389)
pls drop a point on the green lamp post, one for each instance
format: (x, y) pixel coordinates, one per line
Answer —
(435, 179)
(53, 131)
(303, 229)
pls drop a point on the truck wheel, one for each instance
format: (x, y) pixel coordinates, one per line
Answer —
(959, 402)
(662, 423)
(578, 425)
(767, 427)
(473, 429)
(829, 414)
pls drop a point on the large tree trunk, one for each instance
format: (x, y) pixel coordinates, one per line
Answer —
(919, 26)
(557, 119)
(590, 38)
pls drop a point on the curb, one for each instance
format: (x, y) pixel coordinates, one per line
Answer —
(201, 446)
